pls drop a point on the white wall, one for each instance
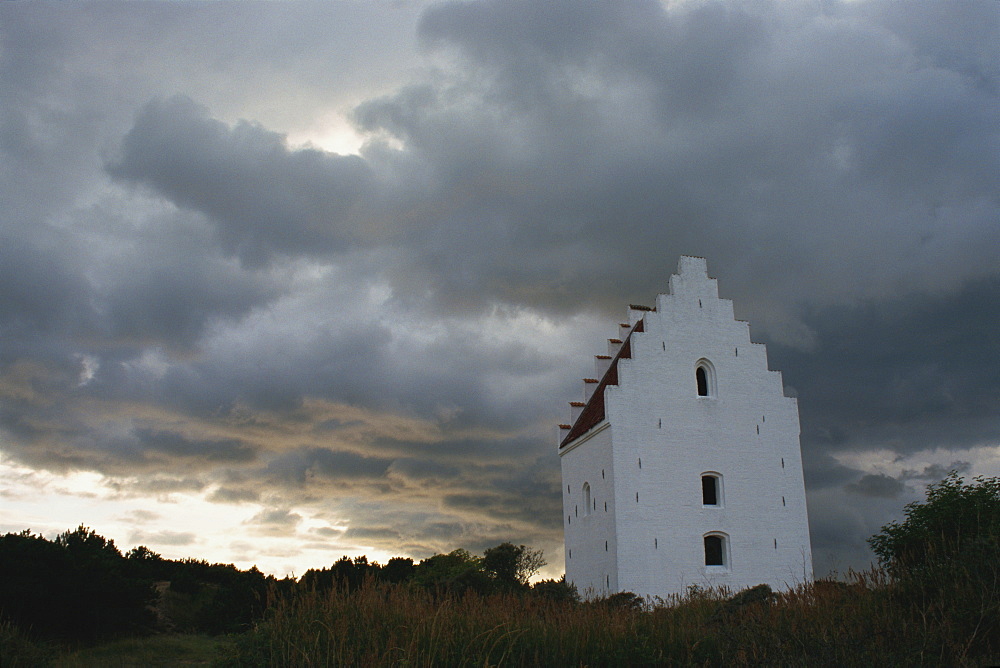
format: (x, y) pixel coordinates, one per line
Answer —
(590, 565)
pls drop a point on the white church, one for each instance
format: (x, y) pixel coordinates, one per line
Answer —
(682, 464)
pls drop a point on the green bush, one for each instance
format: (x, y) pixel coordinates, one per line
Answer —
(944, 560)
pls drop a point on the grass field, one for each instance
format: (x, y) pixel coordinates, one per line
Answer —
(865, 621)
(160, 651)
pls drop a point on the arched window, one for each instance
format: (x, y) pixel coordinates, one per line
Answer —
(586, 499)
(716, 550)
(711, 489)
(704, 377)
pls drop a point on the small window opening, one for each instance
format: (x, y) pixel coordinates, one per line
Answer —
(737, 352)
(782, 500)
(699, 303)
(569, 519)
(602, 474)
(637, 497)
(702, 381)
(605, 506)
(758, 430)
(571, 554)
(605, 546)
(704, 375)
(656, 543)
(640, 462)
(659, 423)
(776, 543)
(664, 345)
(710, 490)
(576, 511)
(586, 499)
(714, 551)
(607, 578)
(782, 462)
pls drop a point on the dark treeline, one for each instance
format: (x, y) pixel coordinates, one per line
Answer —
(80, 587)
(505, 568)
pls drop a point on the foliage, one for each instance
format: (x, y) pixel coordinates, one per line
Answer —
(559, 590)
(214, 598)
(397, 569)
(457, 571)
(76, 587)
(345, 573)
(511, 566)
(504, 567)
(944, 558)
(957, 526)
(622, 600)
(79, 587)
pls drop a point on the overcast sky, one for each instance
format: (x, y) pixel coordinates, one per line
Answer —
(281, 282)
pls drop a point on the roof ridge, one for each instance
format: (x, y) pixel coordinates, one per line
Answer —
(593, 411)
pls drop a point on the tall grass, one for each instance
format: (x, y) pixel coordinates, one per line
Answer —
(17, 649)
(864, 621)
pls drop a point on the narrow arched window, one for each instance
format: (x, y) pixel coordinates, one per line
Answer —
(711, 489)
(715, 550)
(586, 499)
(704, 378)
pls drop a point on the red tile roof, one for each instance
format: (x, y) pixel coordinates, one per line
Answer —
(593, 413)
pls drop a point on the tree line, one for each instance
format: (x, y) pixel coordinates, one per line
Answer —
(81, 587)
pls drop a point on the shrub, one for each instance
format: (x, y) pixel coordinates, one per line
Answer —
(944, 559)
(956, 527)
(556, 590)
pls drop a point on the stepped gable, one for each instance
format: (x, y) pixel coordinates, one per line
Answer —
(593, 413)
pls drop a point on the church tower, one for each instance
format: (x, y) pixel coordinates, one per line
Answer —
(682, 464)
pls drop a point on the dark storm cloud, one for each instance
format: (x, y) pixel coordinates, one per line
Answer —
(172, 297)
(274, 522)
(877, 484)
(298, 466)
(800, 139)
(821, 470)
(176, 445)
(802, 151)
(231, 495)
(155, 484)
(265, 198)
(907, 374)
(370, 533)
(423, 470)
(936, 472)
(41, 299)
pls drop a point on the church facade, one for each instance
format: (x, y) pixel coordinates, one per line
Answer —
(681, 466)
